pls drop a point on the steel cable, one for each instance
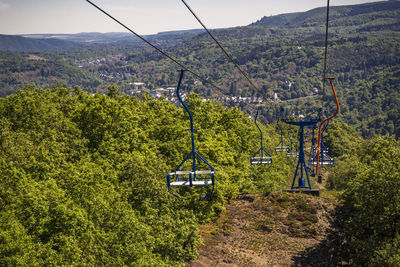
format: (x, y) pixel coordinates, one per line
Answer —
(220, 46)
(156, 48)
(325, 53)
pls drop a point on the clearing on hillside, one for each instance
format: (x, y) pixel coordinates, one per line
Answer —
(280, 229)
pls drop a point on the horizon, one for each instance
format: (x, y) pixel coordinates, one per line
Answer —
(126, 32)
(152, 17)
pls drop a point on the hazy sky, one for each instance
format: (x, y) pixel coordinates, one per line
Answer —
(145, 16)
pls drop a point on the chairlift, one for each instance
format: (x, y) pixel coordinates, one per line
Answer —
(313, 153)
(325, 159)
(261, 159)
(291, 153)
(192, 177)
(319, 150)
(313, 147)
(281, 146)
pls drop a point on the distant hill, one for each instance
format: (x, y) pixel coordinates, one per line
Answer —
(84, 37)
(339, 15)
(110, 37)
(65, 42)
(19, 43)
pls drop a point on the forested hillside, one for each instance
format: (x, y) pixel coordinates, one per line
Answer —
(83, 180)
(340, 15)
(18, 70)
(119, 38)
(82, 176)
(19, 43)
(79, 41)
(283, 54)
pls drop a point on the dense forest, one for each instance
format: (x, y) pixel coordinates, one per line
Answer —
(83, 164)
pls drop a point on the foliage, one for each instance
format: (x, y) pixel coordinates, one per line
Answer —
(372, 202)
(389, 254)
(82, 183)
(367, 174)
(341, 139)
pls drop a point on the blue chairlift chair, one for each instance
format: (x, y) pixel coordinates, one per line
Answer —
(281, 146)
(192, 177)
(261, 156)
(325, 159)
(291, 153)
(313, 148)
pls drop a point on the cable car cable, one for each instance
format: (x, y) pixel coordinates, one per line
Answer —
(325, 120)
(156, 48)
(220, 46)
(325, 53)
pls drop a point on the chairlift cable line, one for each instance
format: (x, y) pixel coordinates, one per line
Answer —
(220, 46)
(156, 48)
(325, 120)
(333, 90)
(325, 53)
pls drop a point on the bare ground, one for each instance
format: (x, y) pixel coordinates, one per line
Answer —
(280, 229)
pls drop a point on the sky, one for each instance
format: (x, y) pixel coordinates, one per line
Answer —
(143, 16)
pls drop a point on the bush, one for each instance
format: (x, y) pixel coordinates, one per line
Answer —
(372, 199)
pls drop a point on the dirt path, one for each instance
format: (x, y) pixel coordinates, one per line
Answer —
(277, 230)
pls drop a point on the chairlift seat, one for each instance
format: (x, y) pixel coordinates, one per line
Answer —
(323, 162)
(194, 183)
(281, 148)
(261, 160)
(292, 154)
(326, 160)
(178, 180)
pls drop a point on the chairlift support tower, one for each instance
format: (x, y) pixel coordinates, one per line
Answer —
(301, 163)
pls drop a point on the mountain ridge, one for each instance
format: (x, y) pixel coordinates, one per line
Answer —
(19, 43)
(67, 42)
(336, 12)
(340, 15)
